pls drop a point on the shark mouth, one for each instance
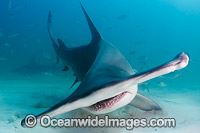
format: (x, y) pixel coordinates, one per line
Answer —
(107, 103)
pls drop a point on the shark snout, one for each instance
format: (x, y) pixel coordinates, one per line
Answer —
(181, 60)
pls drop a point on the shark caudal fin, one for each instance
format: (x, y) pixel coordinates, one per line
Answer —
(94, 32)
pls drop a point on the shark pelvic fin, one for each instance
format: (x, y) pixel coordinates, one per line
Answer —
(95, 34)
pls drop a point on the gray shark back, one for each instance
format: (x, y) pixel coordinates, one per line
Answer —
(89, 62)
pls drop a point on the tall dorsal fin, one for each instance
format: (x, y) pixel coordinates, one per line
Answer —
(95, 34)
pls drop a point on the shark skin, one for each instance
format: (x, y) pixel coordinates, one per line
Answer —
(107, 79)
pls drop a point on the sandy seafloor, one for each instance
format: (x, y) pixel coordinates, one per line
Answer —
(32, 95)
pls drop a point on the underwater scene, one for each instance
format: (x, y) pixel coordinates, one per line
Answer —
(99, 66)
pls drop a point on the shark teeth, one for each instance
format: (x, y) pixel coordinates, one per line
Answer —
(107, 103)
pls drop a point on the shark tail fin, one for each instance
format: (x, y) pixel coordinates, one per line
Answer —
(95, 34)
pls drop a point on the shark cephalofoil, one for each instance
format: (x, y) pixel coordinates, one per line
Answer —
(107, 79)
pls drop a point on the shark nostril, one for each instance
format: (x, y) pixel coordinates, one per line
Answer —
(178, 63)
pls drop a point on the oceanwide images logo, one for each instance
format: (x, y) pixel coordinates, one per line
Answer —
(129, 123)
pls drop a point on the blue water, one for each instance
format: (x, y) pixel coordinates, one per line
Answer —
(148, 33)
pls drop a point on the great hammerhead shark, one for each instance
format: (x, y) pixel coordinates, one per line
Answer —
(107, 79)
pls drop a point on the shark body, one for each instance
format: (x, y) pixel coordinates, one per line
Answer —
(107, 79)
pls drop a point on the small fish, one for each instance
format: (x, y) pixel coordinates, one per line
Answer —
(172, 75)
(46, 55)
(142, 58)
(139, 43)
(12, 119)
(122, 17)
(38, 41)
(134, 71)
(28, 25)
(25, 45)
(183, 122)
(47, 74)
(168, 101)
(14, 35)
(109, 28)
(162, 84)
(17, 8)
(11, 51)
(104, 20)
(131, 53)
(12, 16)
(9, 5)
(1, 35)
(144, 86)
(62, 25)
(3, 58)
(195, 60)
(142, 62)
(138, 26)
(78, 21)
(6, 44)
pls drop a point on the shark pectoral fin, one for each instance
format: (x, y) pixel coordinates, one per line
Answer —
(144, 103)
(66, 68)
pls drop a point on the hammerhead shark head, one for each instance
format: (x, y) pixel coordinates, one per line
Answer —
(107, 79)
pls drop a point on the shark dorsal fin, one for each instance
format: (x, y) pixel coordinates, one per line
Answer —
(95, 34)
